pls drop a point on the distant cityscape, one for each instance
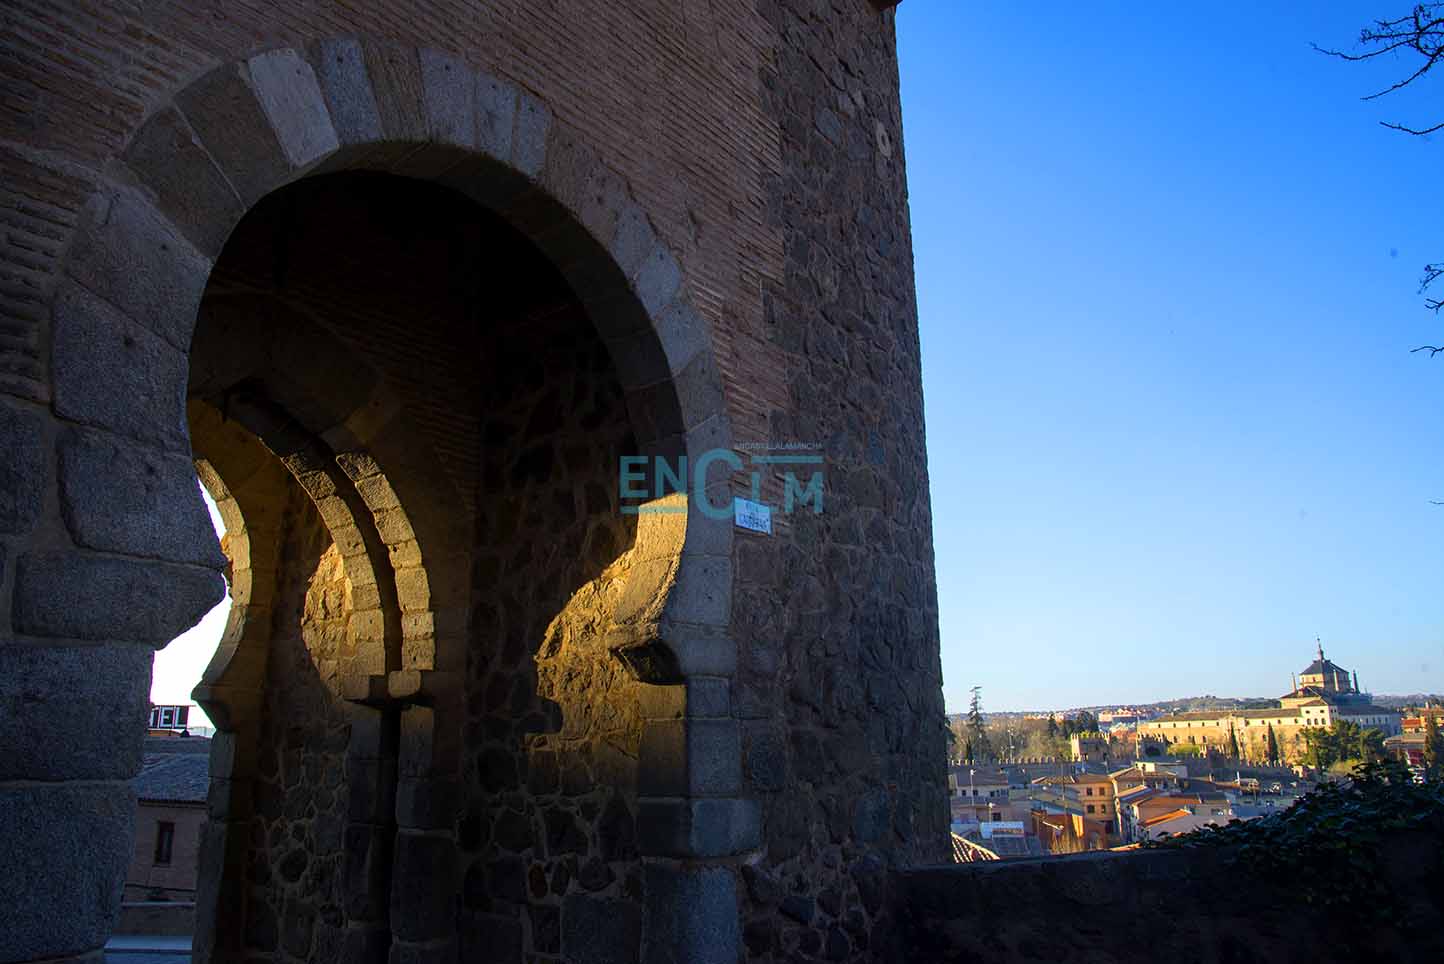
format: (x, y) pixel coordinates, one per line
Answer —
(1031, 784)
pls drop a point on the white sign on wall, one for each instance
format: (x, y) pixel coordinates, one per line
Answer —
(752, 515)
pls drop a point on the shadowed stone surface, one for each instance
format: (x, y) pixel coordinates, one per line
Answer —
(121, 498)
(91, 699)
(92, 845)
(692, 917)
(1159, 905)
(115, 373)
(90, 597)
(23, 471)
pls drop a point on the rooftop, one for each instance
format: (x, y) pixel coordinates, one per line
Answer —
(173, 777)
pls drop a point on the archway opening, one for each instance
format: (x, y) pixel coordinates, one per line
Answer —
(417, 430)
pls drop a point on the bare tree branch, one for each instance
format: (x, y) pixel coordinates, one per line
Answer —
(1410, 130)
(1432, 273)
(1420, 31)
(1429, 348)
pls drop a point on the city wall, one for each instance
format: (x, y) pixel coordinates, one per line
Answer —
(1186, 906)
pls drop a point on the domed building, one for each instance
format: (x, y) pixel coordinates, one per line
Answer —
(1322, 694)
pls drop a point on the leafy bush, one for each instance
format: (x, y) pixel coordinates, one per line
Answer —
(1326, 847)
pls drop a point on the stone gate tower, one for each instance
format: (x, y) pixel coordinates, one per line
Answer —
(473, 318)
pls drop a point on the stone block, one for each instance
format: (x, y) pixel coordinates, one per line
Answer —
(633, 239)
(223, 110)
(529, 142)
(659, 277)
(340, 66)
(130, 255)
(24, 471)
(698, 828)
(395, 75)
(72, 713)
(78, 596)
(423, 887)
(683, 333)
(167, 157)
(66, 850)
(639, 360)
(134, 501)
(662, 759)
(703, 592)
(449, 95)
(112, 372)
(600, 931)
(709, 696)
(286, 88)
(602, 200)
(701, 653)
(707, 536)
(495, 116)
(691, 916)
(567, 177)
(699, 392)
(714, 757)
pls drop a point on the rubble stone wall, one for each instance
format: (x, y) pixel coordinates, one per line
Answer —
(839, 686)
(1161, 905)
(295, 902)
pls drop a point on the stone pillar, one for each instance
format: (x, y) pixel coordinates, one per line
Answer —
(80, 616)
(693, 823)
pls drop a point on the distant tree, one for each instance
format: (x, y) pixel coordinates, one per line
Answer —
(1085, 723)
(956, 741)
(1318, 748)
(1371, 745)
(1433, 749)
(1232, 743)
(979, 747)
(1271, 747)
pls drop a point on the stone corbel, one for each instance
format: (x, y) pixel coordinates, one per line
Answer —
(646, 655)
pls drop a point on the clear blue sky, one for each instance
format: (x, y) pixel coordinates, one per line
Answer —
(1167, 264)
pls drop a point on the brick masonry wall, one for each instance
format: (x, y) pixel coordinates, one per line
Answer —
(665, 90)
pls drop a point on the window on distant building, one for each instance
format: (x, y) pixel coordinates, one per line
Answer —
(164, 842)
(1090, 808)
(1090, 791)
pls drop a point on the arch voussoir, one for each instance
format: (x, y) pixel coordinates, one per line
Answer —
(263, 121)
